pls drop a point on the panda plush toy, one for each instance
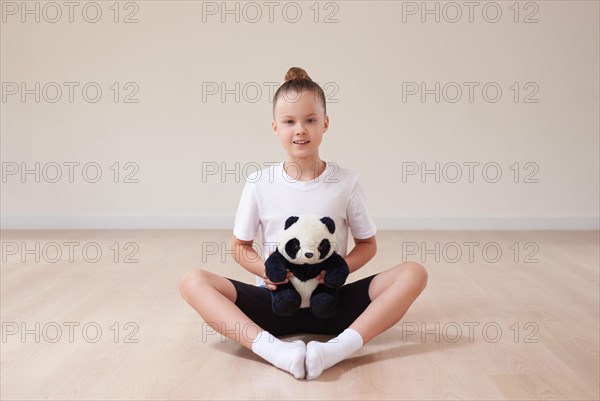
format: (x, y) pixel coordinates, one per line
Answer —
(306, 248)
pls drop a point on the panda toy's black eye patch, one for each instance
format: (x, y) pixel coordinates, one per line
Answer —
(324, 248)
(292, 247)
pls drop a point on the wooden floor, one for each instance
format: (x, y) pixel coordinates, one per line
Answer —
(524, 325)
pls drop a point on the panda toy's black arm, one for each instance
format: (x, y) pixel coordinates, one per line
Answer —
(337, 271)
(275, 267)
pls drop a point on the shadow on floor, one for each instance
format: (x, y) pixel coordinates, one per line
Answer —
(388, 345)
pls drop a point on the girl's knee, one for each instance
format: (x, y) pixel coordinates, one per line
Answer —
(201, 281)
(416, 271)
(193, 279)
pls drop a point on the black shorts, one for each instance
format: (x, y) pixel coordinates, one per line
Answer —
(255, 302)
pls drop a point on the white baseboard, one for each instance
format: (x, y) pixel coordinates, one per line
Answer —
(488, 223)
(226, 223)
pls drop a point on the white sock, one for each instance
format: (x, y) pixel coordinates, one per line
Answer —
(321, 356)
(288, 356)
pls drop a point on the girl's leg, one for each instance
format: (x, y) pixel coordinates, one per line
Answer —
(213, 297)
(391, 292)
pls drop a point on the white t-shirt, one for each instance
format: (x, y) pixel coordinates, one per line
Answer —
(270, 196)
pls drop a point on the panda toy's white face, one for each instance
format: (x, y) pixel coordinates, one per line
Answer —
(307, 239)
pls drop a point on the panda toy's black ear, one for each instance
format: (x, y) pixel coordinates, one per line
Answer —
(328, 221)
(290, 220)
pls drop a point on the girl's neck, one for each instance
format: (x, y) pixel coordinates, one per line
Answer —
(304, 170)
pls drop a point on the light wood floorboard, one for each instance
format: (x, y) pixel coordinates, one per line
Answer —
(534, 319)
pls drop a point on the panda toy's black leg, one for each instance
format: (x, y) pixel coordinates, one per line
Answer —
(323, 302)
(285, 300)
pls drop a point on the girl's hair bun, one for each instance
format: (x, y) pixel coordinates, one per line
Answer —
(296, 73)
(298, 81)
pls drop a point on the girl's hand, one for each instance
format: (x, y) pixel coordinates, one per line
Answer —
(273, 286)
(321, 277)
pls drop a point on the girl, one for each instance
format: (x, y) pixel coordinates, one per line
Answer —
(302, 184)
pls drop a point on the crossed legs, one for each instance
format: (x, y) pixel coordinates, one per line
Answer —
(392, 292)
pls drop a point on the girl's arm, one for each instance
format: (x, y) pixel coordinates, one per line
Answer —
(363, 251)
(246, 256)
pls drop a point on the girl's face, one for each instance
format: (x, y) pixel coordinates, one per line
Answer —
(300, 123)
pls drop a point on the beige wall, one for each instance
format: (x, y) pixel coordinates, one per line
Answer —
(368, 62)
